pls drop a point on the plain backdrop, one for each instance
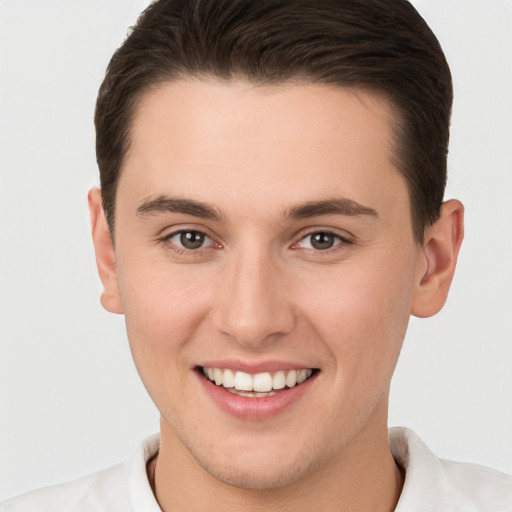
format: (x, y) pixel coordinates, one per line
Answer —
(70, 399)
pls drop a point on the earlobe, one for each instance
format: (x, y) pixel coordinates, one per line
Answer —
(105, 254)
(440, 252)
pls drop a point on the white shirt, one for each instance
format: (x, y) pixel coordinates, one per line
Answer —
(431, 485)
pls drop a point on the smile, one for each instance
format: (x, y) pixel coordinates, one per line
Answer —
(259, 385)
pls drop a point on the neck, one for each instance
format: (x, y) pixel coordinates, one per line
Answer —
(365, 477)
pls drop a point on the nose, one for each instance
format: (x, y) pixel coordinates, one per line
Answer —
(254, 306)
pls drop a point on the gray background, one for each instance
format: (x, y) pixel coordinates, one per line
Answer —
(70, 399)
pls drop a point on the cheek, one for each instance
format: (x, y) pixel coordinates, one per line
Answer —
(163, 312)
(362, 316)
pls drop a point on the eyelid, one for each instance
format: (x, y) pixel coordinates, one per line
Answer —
(166, 240)
(344, 238)
(169, 231)
(182, 231)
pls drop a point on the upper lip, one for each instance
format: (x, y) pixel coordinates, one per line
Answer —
(254, 367)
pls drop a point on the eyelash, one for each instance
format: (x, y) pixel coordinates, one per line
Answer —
(338, 241)
(184, 250)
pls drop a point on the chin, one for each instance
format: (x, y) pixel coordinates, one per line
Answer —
(261, 469)
(257, 477)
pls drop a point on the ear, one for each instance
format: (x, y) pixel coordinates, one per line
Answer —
(440, 251)
(105, 255)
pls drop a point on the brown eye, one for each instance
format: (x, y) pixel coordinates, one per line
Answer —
(190, 240)
(321, 241)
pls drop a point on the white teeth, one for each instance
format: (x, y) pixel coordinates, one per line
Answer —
(279, 380)
(217, 375)
(243, 381)
(250, 394)
(229, 379)
(291, 378)
(260, 384)
(301, 376)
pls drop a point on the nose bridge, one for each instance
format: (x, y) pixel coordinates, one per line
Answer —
(254, 304)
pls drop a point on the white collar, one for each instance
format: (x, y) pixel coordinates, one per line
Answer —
(431, 484)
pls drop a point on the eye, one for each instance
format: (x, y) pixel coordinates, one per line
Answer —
(190, 240)
(321, 241)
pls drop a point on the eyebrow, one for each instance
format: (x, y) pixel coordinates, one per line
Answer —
(166, 204)
(334, 206)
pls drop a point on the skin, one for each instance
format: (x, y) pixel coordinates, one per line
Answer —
(259, 291)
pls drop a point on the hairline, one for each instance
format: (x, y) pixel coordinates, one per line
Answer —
(394, 121)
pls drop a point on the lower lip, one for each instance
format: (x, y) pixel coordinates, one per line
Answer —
(251, 408)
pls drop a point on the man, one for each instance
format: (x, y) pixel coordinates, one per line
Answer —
(270, 215)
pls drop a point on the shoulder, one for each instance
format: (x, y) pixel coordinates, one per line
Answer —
(102, 491)
(432, 483)
(120, 488)
(478, 486)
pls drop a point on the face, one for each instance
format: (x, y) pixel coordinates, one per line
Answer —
(263, 237)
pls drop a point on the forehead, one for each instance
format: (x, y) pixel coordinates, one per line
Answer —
(286, 143)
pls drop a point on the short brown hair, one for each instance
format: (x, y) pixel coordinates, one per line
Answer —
(380, 45)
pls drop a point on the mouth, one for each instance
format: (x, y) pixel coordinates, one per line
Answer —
(258, 385)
